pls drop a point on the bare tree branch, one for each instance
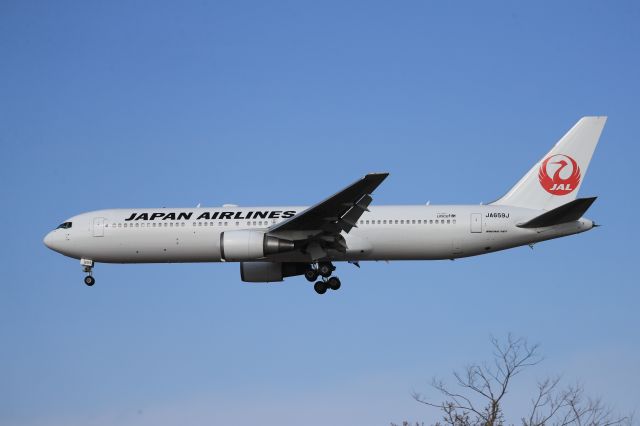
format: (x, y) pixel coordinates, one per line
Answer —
(483, 387)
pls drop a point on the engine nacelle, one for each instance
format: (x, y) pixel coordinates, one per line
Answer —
(250, 245)
(268, 272)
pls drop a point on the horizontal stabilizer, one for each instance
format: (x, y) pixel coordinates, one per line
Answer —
(565, 213)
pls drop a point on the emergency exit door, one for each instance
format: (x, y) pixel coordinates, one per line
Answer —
(476, 222)
(98, 227)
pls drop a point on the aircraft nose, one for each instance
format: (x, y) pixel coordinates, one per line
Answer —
(50, 241)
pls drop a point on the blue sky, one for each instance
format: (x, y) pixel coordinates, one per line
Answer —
(142, 104)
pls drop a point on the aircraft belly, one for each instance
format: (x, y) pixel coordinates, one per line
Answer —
(163, 246)
(434, 244)
(413, 243)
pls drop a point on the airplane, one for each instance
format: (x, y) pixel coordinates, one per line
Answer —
(273, 243)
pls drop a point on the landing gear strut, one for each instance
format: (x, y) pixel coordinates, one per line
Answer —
(87, 267)
(324, 270)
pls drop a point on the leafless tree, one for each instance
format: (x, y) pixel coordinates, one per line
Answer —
(478, 395)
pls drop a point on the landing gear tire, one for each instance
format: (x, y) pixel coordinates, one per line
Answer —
(311, 275)
(333, 283)
(89, 280)
(325, 269)
(320, 287)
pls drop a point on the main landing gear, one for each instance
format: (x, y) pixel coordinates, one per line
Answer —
(87, 267)
(323, 270)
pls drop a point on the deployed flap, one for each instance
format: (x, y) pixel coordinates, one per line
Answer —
(340, 212)
(563, 214)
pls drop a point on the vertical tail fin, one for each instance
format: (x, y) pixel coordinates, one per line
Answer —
(556, 179)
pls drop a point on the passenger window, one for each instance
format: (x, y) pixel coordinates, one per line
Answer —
(431, 221)
(384, 222)
(367, 222)
(454, 221)
(448, 221)
(206, 224)
(402, 222)
(237, 223)
(396, 221)
(413, 222)
(436, 221)
(219, 223)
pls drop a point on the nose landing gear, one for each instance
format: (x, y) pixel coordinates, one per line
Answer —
(87, 267)
(324, 270)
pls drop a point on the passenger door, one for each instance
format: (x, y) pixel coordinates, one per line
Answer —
(476, 222)
(98, 227)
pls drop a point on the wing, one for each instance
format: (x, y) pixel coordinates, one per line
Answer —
(322, 223)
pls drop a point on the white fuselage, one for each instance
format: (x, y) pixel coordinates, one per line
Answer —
(272, 243)
(421, 232)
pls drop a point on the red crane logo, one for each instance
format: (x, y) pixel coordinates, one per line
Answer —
(565, 178)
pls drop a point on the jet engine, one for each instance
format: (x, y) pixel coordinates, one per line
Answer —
(267, 272)
(250, 245)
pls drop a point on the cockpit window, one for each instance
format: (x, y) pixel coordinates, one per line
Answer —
(65, 225)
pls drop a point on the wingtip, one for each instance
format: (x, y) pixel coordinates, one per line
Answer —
(377, 174)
